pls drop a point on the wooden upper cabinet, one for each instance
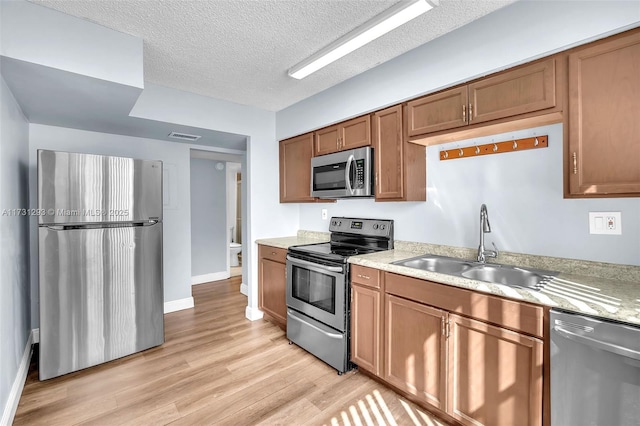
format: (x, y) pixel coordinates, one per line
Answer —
(442, 111)
(389, 153)
(350, 134)
(415, 349)
(495, 375)
(604, 117)
(519, 91)
(295, 169)
(399, 166)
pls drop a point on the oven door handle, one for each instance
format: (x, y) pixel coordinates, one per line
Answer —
(335, 269)
(294, 316)
(347, 174)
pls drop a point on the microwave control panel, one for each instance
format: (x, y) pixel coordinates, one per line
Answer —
(359, 182)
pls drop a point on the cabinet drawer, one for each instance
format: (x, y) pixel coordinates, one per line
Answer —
(506, 313)
(272, 253)
(369, 277)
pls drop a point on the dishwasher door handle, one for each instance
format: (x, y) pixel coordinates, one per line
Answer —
(594, 343)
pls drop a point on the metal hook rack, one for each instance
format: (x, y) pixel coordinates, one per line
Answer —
(496, 148)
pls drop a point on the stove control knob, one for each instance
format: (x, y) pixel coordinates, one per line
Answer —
(339, 223)
(375, 226)
(382, 227)
(333, 222)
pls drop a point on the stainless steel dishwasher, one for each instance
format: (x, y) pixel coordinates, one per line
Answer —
(595, 371)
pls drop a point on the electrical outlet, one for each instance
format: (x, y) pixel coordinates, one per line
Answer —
(606, 223)
(325, 214)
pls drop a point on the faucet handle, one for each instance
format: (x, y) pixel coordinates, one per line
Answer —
(495, 252)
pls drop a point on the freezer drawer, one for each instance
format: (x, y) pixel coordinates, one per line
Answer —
(101, 295)
(85, 188)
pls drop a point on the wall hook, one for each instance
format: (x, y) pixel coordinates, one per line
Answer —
(515, 144)
(495, 147)
(460, 152)
(535, 142)
(477, 150)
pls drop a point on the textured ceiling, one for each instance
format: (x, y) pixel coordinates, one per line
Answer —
(240, 50)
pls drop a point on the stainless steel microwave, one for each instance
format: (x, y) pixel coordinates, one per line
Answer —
(343, 174)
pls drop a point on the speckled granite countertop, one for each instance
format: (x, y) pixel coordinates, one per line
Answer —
(593, 288)
(303, 237)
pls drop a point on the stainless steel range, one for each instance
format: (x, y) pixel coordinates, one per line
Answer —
(318, 291)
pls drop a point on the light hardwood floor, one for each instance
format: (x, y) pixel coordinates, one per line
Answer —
(216, 367)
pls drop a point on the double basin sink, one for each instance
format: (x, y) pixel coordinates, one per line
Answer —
(533, 279)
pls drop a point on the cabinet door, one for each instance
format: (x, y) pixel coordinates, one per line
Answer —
(388, 153)
(327, 140)
(442, 111)
(526, 89)
(355, 133)
(272, 282)
(295, 169)
(495, 375)
(604, 107)
(415, 349)
(365, 328)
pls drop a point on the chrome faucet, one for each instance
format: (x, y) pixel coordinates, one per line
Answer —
(485, 227)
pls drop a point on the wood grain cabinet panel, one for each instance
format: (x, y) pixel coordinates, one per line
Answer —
(495, 375)
(516, 92)
(441, 111)
(272, 282)
(415, 350)
(365, 328)
(295, 169)
(354, 133)
(520, 91)
(604, 111)
(400, 166)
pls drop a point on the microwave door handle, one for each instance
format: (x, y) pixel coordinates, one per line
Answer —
(347, 174)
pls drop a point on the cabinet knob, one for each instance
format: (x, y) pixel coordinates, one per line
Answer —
(273, 253)
(470, 112)
(366, 277)
(464, 113)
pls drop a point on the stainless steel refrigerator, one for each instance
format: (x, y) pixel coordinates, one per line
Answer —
(100, 259)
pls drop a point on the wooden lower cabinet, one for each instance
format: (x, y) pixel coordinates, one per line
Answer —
(478, 371)
(365, 328)
(415, 350)
(272, 282)
(494, 375)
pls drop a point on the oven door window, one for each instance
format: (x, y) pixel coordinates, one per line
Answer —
(314, 288)
(329, 177)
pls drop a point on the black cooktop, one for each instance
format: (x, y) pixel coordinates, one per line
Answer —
(331, 251)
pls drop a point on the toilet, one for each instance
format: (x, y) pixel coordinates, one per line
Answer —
(234, 249)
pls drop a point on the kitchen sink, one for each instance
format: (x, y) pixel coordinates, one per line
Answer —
(533, 279)
(432, 263)
(508, 275)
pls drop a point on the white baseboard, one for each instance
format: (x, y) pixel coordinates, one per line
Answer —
(253, 314)
(36, 335)
(244, 289)
(18, 384)
(178, 305)
(206, 278)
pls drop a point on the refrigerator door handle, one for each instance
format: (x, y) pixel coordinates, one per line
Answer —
(65, 227)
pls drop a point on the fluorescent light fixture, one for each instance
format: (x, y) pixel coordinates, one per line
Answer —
(387, 21)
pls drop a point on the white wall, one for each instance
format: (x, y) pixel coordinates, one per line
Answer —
(523, 191)
(523, 194)
(209, 247)
(32, 33)
(263, 215)
(15, 324)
